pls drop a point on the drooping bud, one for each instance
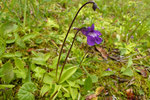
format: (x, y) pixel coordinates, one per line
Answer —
(94, 6)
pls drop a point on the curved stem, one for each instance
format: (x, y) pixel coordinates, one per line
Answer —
(68, 54)
(68, 33)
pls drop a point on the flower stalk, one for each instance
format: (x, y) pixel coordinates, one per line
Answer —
(68, 54)
(94, 8)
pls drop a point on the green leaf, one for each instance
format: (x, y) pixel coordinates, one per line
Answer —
(72, 84)
(74, 93)
(33, 66)
(94, 78)
(19, 41)
(39, 61)
(26, 91)
(88, 83)
(80, 82)
(123, 51)
(107, 73)
(7, 72)
(45, 88)
(66, 95)
(39, 72)
(41, 58)
(3, 86)
(10, 41)
(38, 41)
(54, 62)
(7, 28)
(20, 71)
(77, 74)
(130, 62)
(47, 79)
(67, 74)
(56, 89)
(128, 72)
(29, 36)
(51, 23)
(2, 46)
(19, 63)
(60, 95)
(10, 55)
(141, 92)
(53, 74)
(34, 53)
(123, 69)
(46, 56)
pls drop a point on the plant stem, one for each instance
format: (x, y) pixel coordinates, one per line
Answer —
(68, 54)
(68, 33)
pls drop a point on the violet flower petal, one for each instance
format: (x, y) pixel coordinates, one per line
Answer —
(84, 31)
(97, 32)
(92, 28)
(108, 69)
(92, 35)
(98, 40)
(90, 41)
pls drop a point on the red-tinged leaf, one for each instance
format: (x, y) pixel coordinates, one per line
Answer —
(91, 97)
(29, 50)
(142, 71)
(103, 52)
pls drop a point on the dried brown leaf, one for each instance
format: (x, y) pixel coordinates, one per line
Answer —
(103, 52)
(143, 71)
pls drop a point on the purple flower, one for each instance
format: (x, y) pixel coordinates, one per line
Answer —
(108, 69)
(132, 37)
(92, 35)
